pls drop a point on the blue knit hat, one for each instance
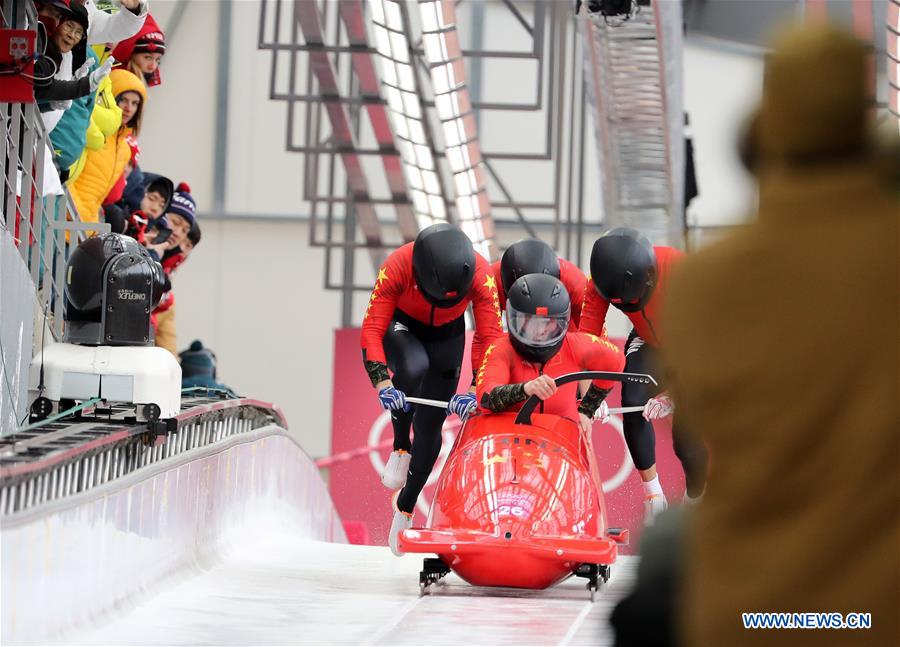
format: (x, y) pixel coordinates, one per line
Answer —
(183, 203)
(198, 361)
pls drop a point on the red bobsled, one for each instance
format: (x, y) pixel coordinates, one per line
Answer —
(519, 503)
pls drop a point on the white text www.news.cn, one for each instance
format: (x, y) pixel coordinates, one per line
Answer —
(807, 620)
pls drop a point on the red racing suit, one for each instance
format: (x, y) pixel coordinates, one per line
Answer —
(646, 320)
(570, 275)
(396, 289)
(503, 366)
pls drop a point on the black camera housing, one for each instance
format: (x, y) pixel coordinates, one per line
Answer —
(112, 287)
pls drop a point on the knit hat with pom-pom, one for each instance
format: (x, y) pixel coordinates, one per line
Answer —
(183, 203)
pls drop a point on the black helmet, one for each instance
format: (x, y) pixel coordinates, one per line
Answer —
(529, 256)
(443, 264)
(537, 315)
(623, 268)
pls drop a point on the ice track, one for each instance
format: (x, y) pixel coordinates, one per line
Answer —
(288, 591)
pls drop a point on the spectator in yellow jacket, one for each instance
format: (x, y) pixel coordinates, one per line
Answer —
(103, 167)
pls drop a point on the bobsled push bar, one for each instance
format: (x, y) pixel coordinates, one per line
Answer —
(562, 379)
(443, 404)
(524, 417)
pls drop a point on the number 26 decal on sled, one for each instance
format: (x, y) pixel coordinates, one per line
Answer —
(523, 521)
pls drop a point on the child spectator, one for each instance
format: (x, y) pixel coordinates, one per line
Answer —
(157, 196)
(181, 219)
(103, 167)
(181, 213)
(150, 213)
(174, 257)
(192, 240)
(138, 185)
(142, 53)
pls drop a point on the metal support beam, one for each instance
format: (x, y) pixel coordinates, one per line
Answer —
(309, 18)
(369, 86)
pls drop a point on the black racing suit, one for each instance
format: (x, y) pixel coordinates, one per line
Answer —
(640, 357)
(425, 362)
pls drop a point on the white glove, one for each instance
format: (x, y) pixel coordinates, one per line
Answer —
(602, 412)
(61, 105)
(137, 7)
(101, 73)
(658, 407)
(85, 68)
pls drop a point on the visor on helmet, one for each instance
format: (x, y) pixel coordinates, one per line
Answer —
(536, 330)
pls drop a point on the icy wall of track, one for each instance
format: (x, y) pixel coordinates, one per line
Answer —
(16, 325)
(69, 563)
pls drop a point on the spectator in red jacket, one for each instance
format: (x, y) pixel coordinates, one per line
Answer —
(539, 348)
(414, 328)
(533, 256)
(630, 274)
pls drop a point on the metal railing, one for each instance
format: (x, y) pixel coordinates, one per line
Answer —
(36, 209)
(66, 458)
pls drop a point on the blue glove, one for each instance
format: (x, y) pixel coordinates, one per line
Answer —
(462, 404)
(393, 399)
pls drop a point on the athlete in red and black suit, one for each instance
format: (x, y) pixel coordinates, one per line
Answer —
(630, 274)
(414, 328)
(533, 256)
(537, 349)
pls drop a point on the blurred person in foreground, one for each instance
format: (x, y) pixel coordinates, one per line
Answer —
(783, 353)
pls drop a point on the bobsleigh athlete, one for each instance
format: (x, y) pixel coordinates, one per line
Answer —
(632, 275)
(414, 330)
(533, 256)
(539, 348)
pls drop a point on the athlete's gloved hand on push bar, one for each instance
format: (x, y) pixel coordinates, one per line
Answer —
(393, 399)
(462, 404)
(659, 407)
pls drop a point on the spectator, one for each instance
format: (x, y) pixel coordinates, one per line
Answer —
(114, 27)
(783, 346)
(141, 54)
(192, 240)
(175, 257)
(103, 167)
(105, 121)
(157, 197)
(198, 368)
(157, 238)
(181, 219)
(54, 85)
(70, 135)
(181, 213)
(153, 205)
(136, 187)
(115, 194)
